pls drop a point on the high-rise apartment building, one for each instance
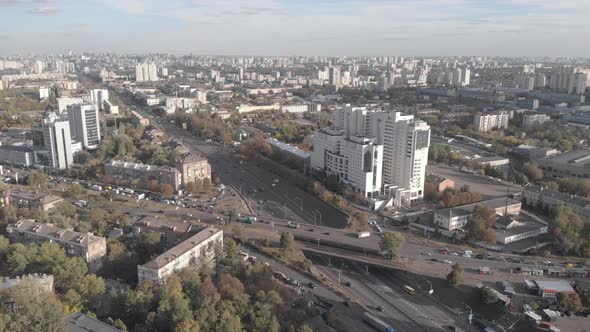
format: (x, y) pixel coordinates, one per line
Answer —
(58, 141)
(532, 121)
(403, 143)
(334, 77)
(85, 125)
(146, 72)
(64, 102)
(98, 97)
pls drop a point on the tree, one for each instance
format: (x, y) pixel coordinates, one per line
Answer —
(360, 221)
(229, 286)
(206, 184)
(195, 187)
(482, 218)
(231, 249)
(120, 325)
(569, 301)
(391, 244)
(75, 190)
(287, 242)
(166, 189)
(455, 277)
(488, 296)
(489, 236)
(70, 272)
(564, 145)
(38, 180)
(38, 310)
(231, 214)
(532, 170)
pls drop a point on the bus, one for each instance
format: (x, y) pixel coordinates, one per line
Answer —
(377, 323)
(409, 290)
(248, 220)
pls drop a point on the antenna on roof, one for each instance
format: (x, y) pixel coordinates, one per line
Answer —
(507, 193)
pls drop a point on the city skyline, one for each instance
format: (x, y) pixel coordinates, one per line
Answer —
(325, 27)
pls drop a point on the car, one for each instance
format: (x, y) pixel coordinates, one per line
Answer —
(447, 261)
(260, 202)
(454, 253)
(327, 233)
(546, 262)
(379, 308)
(310, 230)
(348, 284)
(346, 303)
(451, 328)
(312, 285)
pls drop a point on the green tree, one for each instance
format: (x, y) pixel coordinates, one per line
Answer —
(120, 325)
(391, 244)
(455, 277)
(89, 287)
(564, 145)
(70, 272)
(4, 246)
(38, 310)
(569, 301)
(231, 249)
(287, 242)
(482, 218)
(38, 180)
(75, 190)
(488, 296)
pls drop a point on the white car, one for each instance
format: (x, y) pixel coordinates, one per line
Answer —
(447, 261)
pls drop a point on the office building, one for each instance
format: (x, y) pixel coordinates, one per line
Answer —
(30, 200)
(509, 230)
(146, 72)
(532, 121)
(142, 175)
(90, 247)
(85, 125)
(197, 250)
(64, 102)
(193, 168)
(487, 122)
(58, 141)
(550, 288)
(18, 155)
(568, 164)
(290, 154)
(98, 97)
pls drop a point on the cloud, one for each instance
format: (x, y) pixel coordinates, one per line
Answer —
(44, 10)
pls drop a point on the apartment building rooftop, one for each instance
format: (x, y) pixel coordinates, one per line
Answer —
(567, 198)
(137, 166)
(50, 231)
(287, 147)
(79, 322)
(42, 197)
(191, 158)
(178, 250)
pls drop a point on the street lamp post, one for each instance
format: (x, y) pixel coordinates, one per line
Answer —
(300, 203)
(470, 313)
(431, 291)
(340, 270)
(318, 212)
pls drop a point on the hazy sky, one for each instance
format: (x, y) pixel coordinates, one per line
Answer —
(303, 27)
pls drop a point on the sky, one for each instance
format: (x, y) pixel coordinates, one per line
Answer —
(298, 27)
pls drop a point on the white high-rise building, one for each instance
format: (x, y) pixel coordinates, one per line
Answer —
(465, 76)
(146, 72)
(334, 77)
(57, 141)
(85, 125)
(404, 153)
(201, 96)
(98, 97)
(164, 71)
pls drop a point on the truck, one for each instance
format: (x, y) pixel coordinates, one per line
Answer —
(248, 220)
(361, 235)
(377, 323)
(291, 224)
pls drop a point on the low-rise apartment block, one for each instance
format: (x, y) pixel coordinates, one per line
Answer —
(193, 167)
(42, 281)
(25, 199)
(487, 122)
(90, 247)
(543, 197)
(197, 250)
(141, 175)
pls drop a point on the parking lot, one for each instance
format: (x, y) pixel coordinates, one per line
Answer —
(487, 187)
